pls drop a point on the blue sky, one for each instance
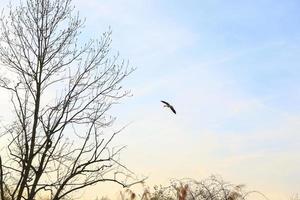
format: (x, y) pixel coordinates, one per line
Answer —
(231, 69)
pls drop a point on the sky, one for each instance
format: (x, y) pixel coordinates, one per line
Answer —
(231, 70)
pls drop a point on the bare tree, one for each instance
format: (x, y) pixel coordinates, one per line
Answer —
(56, 142)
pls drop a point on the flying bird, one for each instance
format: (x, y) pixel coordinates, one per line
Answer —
(166, 104)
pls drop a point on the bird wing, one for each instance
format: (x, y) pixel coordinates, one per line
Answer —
(172, 108)
(165, 103)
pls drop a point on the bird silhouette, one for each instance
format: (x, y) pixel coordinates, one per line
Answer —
(166, 104)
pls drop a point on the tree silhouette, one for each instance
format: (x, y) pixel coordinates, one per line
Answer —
(61, 93)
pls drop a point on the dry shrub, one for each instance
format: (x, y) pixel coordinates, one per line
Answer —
(212, 188)
(128, 195)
